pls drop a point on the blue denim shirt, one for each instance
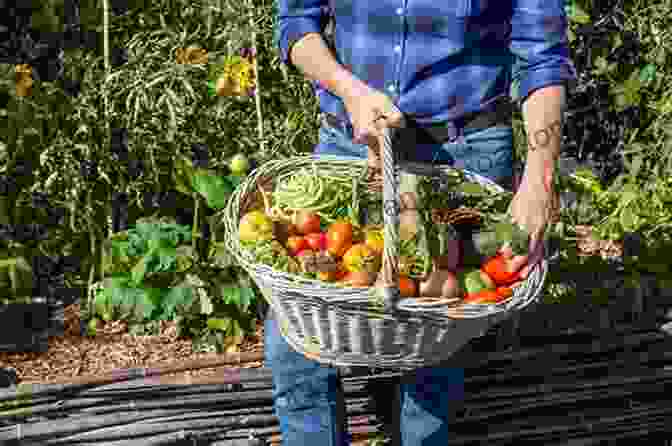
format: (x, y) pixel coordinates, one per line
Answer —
(437, 60)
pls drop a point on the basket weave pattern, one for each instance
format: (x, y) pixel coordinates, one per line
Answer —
(347, 326)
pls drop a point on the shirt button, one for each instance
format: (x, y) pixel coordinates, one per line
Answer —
(397, 49)
(391, 88)
(400, 11)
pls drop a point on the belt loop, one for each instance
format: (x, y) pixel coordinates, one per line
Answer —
(456, 131)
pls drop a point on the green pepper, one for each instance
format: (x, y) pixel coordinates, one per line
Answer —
(473, 280)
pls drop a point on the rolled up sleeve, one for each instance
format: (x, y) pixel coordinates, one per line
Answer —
(539, 44)
(296, 18)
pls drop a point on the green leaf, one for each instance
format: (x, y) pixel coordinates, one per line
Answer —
(234, 180)
(648, 73)
(636, 165)
(577, 14)
(140, 270)
(215, 189)
(215, 323)
(473, 189)
(230, 294)
(628, 193)
(161, 260)
(183, 175)
(175, 297)
(219, 256)
(627, 219)
(246, 289)
(205, 302)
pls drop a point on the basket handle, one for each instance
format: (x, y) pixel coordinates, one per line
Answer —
(391, 210)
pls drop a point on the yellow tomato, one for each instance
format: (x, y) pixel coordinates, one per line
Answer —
(374, 240)
(361, 257)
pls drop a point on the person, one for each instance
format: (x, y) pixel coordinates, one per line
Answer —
(451, 73)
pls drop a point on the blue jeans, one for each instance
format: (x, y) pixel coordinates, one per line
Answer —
(305, 392)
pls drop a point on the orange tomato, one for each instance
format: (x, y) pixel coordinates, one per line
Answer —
(407, 287)
(339, 238)
(361, 257)
(328, 276)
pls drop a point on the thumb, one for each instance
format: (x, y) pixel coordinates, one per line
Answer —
(394, 117)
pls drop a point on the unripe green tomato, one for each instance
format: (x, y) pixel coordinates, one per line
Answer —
(92, 328)
(239, 164)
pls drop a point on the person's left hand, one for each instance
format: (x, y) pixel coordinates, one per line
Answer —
(534, 206)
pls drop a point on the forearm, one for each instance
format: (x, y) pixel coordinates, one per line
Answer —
(543, 116)
(314, 59)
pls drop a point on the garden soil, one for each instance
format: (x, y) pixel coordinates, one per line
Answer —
(113, 348)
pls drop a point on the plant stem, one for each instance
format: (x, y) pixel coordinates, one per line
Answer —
(257, 96)
(194, 225)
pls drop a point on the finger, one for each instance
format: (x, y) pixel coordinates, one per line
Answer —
(393, 116)
(518, 262)
(506, 251)
(408, 201)
(536, 255)
(373, 160)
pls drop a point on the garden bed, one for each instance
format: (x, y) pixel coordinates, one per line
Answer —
(74, 355)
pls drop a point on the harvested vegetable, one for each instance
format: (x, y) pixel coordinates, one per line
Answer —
(358, 279)
(440, 283)
(407, 287)
(504, 271)
(483, 297)
(361, 258)
(308, 190)
(339, 238)
(374, 239)
(296, 244)
(474, 280)
(317, 241)
(255, 226)
(306, 222)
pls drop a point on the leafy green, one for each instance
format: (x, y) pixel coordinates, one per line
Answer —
(214, 188)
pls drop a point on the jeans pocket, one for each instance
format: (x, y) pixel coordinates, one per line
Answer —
(489, 152)
(337, 142)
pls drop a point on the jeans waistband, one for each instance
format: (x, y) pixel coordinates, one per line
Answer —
(497, 114)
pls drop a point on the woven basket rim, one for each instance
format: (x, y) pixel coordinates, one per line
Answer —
(266, 277)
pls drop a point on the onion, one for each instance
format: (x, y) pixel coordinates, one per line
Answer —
(440, 283)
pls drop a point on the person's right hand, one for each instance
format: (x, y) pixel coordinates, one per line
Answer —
(370, 112)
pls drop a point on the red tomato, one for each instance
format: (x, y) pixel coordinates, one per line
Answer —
(296, 244)
(483, 297)
(503, 271)
(307, 222)
(504, 292)
(317, 241)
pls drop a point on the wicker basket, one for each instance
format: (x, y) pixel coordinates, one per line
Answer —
(348, 326)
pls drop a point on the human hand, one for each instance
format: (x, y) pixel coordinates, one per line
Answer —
(534, 205)
(371, 111)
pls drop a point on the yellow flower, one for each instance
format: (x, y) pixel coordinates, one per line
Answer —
(24, 79)
(191, 55)
(236, 77)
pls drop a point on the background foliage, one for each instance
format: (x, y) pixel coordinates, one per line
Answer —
(55, 142)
